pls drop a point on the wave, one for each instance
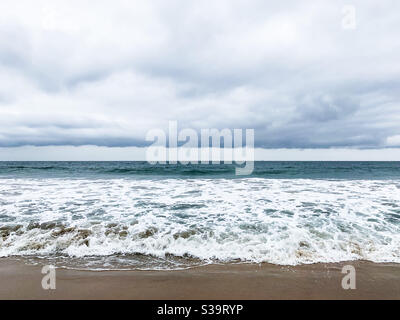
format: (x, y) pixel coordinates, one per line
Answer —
(286, 222)
(276, 170)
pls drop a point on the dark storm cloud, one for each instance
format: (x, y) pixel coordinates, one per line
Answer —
(76, 73)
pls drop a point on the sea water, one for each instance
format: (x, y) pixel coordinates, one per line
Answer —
(134, 215)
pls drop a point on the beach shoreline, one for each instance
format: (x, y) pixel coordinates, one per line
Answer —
(19, 280)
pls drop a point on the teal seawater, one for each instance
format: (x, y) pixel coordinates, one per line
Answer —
(347, 170)
(134, 215)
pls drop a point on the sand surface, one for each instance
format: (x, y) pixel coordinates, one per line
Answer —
(244, 281)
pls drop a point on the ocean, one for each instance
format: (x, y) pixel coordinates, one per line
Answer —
(134, 215)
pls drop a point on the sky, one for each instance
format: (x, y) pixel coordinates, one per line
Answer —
(95, 76)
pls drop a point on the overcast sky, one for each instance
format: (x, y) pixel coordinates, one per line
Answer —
(103, 73)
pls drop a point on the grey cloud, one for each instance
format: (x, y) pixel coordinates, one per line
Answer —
(76, 75)
(325, 108)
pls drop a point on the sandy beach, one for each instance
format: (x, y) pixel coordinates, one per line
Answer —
(242, 281)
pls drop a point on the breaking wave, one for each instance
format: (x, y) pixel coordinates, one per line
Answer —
(170, 223)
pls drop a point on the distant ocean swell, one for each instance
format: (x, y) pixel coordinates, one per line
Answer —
(137, 170)
(167, 223)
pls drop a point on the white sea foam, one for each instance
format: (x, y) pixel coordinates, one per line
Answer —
(285, 222)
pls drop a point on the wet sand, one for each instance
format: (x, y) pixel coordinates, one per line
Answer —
(244, 281)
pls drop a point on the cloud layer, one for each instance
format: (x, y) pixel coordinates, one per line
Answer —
(104, 73)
